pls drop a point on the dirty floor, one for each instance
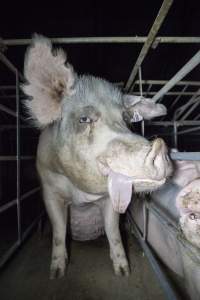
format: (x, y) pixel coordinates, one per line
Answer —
(89, 274)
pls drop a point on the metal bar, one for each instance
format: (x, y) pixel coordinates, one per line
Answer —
(14, 158)
(7, 87)
(9, 253)
(163, 82)
(164, 281)
(8, 127)
(189, 130)
(8, 205)
(189, 66)
(150, 39)
(189, 111)
(18, 175)
(10, 112)
(197, 117)
(148, 90)
(175, 135)
(169, 93)
(178, 97)
(171, 123)
(178, 112)
(111, 40)
(10, 96)
(185, 155)
(8, 63)
(30, 193)
(14, 201)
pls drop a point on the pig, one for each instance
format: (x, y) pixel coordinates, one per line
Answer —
(86, 153)
(187, 176)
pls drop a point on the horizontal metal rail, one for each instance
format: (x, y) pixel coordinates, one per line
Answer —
(163, 82)
(14, 158)
(188, 67)
(7, 87)
(171, 93)
(23, 197)
(171, 123)
(110, 40)
(150, 39)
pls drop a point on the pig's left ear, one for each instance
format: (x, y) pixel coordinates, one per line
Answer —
(143, 108)
(49, 80)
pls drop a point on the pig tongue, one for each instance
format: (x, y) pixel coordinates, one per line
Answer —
(120, 190)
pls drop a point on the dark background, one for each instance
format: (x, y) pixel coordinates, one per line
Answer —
(106, 18)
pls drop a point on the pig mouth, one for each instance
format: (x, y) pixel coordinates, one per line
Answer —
(120, 187)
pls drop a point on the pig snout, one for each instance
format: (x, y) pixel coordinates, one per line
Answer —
(158, 160)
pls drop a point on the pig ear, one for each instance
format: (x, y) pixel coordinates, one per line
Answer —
(130, 100)
(143, 108)
(49, 80)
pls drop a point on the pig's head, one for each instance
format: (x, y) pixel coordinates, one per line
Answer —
(94, 147)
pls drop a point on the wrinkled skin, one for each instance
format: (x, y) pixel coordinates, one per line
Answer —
(86, 153)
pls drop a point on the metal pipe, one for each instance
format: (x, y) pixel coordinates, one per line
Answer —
(18, 175)
(148, 90)
(111, 40)
(168, 93)
(189, 111)
(14, 158)
(14, 201)
(150, 39)
(175, 136)
(178, 112)
(163, 82)
(197, 117)
(164, 281)
(189, 66)
(185, 155)
(7, 87)
(189, 130)
(8, 205)
(171, 123)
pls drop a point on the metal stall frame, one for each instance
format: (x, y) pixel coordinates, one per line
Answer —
(150, 41)
(18, 158)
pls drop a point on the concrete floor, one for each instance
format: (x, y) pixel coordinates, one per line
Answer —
(89, 275)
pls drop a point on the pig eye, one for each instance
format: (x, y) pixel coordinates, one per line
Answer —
(85, 120)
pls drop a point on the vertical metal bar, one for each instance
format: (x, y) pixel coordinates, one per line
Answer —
(175, 136)
(150, 39)
(145, 220)
(189, 66)
(18, 159)
(140, 80)
(141, 94)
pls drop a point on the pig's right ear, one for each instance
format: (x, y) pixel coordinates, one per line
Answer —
(49, 80)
